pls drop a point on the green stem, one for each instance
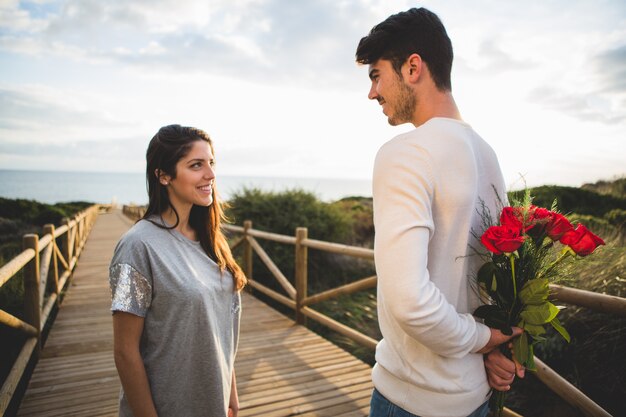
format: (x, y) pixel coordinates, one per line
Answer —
(512, 258)
(496, 402)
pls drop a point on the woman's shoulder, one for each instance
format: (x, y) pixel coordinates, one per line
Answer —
(140, 237)
(141, 231)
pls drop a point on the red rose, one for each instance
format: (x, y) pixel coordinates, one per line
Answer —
(512, 217)
(540, 213)
(557, 226)
(581, 240)
(498, 239)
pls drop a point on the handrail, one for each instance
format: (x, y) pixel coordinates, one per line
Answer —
(571, 394)
(39, 261)
(595, 301)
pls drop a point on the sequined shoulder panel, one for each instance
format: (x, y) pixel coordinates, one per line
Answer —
(131, 292)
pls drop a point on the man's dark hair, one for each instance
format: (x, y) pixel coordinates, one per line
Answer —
(417, 31)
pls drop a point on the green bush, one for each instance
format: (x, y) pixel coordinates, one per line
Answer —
(616, 188)
(617, 218)
(598, 225)
(360, 210)
(38, 214)
(573, 200)
(282, 213)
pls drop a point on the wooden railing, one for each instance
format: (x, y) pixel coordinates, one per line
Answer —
(41, 270)
(298, 299)
(134, 212)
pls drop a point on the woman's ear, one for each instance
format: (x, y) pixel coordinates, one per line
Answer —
(164, 179)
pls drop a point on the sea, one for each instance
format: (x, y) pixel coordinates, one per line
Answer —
(130, 188)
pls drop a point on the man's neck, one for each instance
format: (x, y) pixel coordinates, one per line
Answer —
(439, 104)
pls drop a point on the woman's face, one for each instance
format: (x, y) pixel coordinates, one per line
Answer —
(194, 178)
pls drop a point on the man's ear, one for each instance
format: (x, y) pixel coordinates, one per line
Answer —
(164, 179)
(414, 67)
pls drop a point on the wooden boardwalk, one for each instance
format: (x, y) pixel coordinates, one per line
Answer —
(282, 368)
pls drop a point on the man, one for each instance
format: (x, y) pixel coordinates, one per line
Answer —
(428, 187)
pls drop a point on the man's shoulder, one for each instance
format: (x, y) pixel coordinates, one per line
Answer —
(406, 152)
(420, 139)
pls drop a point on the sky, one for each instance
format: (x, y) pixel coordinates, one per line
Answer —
(85, 84)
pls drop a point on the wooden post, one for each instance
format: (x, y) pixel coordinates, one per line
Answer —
(301, 273)
(247, 250)
(67, 250)
(32, 308)
(53, 274)
(77, 237)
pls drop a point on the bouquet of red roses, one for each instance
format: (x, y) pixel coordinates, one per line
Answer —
(526, 248)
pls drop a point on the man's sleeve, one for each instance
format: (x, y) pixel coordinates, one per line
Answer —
(403, 189)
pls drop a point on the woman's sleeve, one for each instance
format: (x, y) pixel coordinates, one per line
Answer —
(236, 312)
(130, 278)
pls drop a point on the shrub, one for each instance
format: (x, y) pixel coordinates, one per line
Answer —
(616, 188)
(282, 212)
(360, 210)
(573, 200)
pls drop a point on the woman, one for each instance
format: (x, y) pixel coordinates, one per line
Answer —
(175, 289)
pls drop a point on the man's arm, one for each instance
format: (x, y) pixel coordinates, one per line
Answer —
(403, 192)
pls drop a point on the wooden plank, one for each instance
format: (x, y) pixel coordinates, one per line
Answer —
(76, 374)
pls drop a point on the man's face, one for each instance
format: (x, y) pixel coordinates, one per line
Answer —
(392, 93)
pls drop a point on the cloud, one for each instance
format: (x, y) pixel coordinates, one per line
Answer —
(115, 148)
(15, 19)
(591, 107)
(601, 98)
(270, 41)
(611, 66)
(37, 109)
(497, 60)
(121, 155)
(24, 109)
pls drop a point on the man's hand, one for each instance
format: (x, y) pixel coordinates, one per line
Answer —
(497, 338)
(501, 370)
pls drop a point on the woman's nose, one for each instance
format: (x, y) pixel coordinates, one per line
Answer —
(209, 173)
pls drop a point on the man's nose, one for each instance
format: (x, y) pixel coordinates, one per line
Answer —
(372, 94)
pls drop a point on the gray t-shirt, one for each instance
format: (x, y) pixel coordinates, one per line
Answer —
(191, 316)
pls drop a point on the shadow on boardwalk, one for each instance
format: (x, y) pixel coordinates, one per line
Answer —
(282, 369)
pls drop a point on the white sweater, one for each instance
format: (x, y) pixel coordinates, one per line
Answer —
(427, 187)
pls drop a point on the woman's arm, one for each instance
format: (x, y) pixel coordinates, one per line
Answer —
(233, 404)
(127, 329)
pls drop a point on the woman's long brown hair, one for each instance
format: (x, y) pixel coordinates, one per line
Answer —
(167, 147)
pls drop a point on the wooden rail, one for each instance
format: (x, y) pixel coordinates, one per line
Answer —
(40, 264)
(298, 299)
